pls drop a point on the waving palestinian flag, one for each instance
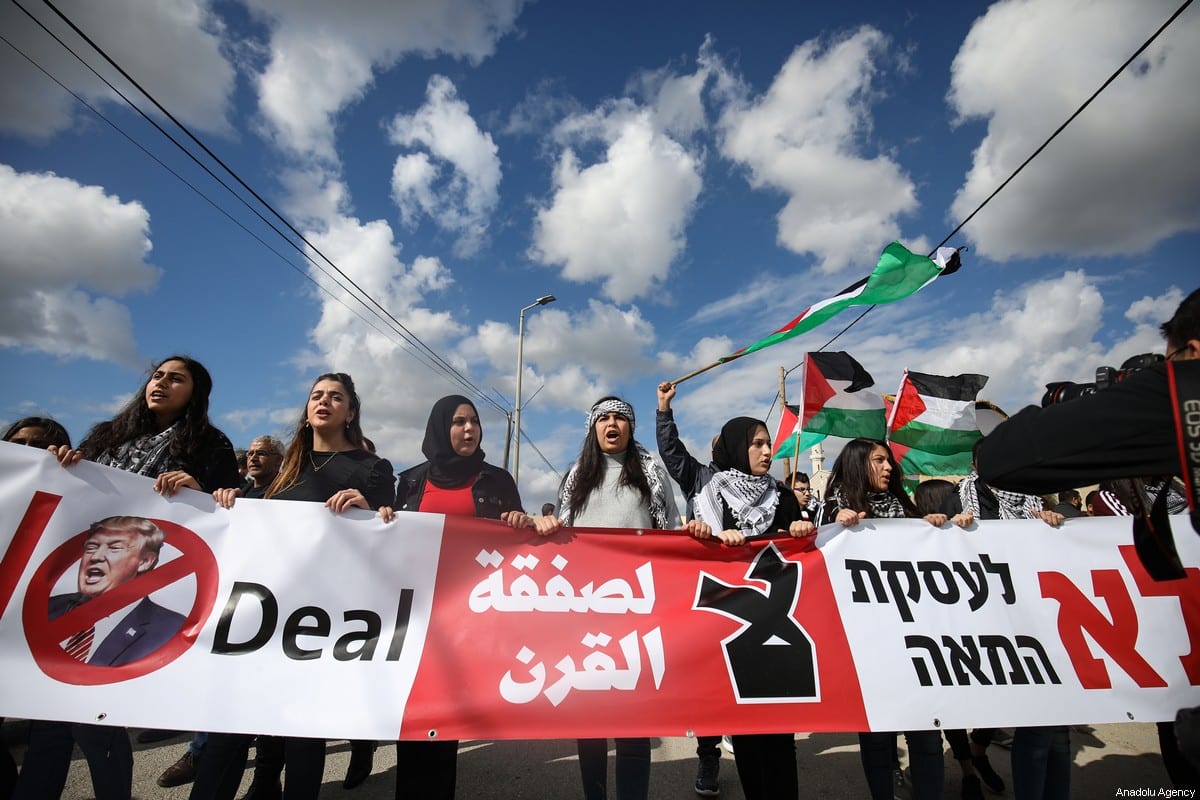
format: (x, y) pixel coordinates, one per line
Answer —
(934, 418)
(789, 439)
(898, 274)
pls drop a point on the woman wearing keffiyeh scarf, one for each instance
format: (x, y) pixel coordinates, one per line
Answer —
(866, 483)
(981, 501)
(743, 501)
(163, 433)
(614, 483)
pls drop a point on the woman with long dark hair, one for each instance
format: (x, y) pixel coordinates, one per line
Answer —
(614, 484)
(741, 502)
(453, 480)
(867, 483)
(164, 433)
(326, 462)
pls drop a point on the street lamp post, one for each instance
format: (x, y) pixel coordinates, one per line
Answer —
(541, 301)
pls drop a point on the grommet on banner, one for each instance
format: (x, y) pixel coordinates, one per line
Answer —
(101, 716)
(937, 723)
(1129, 714)
(432, 733)
(690, 734)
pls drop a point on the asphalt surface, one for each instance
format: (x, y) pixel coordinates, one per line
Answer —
(1106, 758)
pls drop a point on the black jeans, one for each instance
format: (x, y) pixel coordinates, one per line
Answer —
(219, 773)
(766, 764)
(44, 770)
(633, 768)
(924, 759)
(426, 770)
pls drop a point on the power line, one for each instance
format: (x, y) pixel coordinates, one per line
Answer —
(1019, 169)
(216, 206)
(379, 310)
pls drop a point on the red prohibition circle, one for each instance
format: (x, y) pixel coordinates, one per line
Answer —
(44, 635)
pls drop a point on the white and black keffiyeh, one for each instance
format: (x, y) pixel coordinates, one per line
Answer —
(751, 499)
(613, 406)
(880, 505)
(1012, 505)
(658, 491)
(148, 455)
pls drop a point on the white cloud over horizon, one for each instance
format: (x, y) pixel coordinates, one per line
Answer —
(323, 56)
(804, 137)
(62, 238)
(453, 175)
(1136, 141)
(621, 219)
(141, 37)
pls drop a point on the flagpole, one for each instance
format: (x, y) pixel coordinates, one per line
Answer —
(887, 431)
(787, 465)
(691, 375)
(800, 426)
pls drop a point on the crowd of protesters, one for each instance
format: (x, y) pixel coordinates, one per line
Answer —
(163, 432)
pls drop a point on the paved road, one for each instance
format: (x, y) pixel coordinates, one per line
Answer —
(1107, 757)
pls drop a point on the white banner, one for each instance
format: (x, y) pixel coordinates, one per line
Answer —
(282, 617)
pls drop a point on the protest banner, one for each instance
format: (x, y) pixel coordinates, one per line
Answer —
(288, 619)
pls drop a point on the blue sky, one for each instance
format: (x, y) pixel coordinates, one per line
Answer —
(684, 177)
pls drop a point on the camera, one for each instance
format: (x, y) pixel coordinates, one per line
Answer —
(1062, 391)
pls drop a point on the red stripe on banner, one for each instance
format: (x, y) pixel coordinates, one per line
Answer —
(24, 540)
(561, 642)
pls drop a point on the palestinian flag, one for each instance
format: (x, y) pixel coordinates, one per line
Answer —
(836, 398)
(789, 439)
(918, 462)
(898, 274)
(936, 415)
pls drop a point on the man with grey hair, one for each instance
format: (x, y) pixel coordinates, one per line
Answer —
(263, 459)
(116, 551)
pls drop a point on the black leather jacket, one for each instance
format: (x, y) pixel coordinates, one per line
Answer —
(494, 491)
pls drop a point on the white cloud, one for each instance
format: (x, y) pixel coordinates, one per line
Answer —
(450, 142)
(577, 356)
(805, 138)
(678, 99)
(397, 386)
(322, 55)
(172, 47)
(1124, 175)
(621, 219)
(60, 236)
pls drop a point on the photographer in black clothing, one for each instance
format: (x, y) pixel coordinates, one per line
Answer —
(1125, 431)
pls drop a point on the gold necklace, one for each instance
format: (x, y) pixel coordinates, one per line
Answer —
(324, 463)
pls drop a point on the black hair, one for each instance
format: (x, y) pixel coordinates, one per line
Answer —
(1184, 324)
(1067, 495)
(56, 434)
(930, 495)
(589, 474)
(136, 419)
(851, 474)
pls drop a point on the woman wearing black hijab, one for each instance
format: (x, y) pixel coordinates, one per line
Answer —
(743, 502)
(458, 482)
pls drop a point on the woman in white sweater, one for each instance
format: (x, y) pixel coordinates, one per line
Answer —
(614, 483)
